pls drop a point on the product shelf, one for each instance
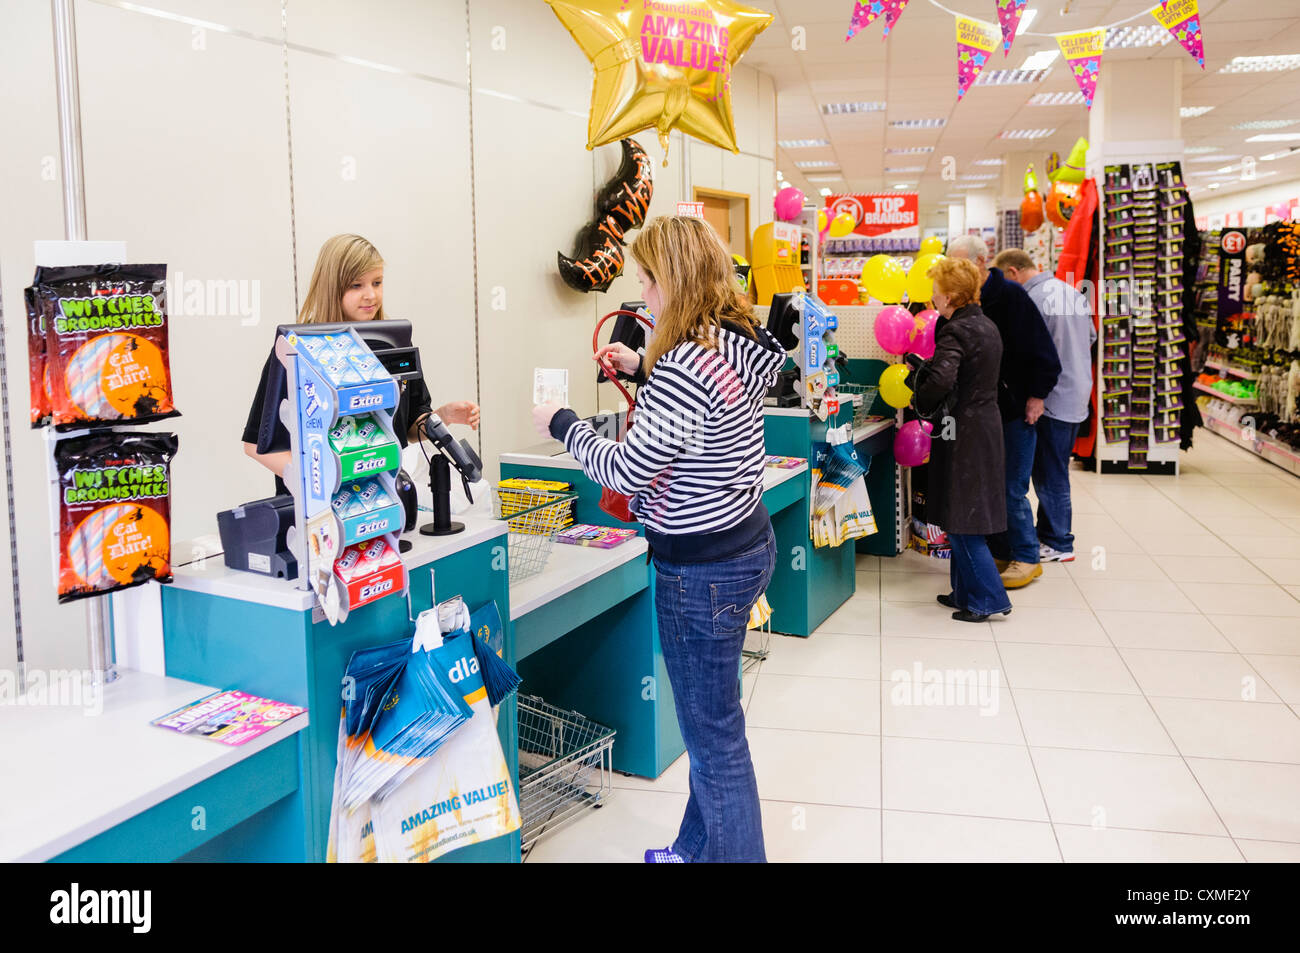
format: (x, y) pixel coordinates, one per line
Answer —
(1229, 369)
(1263, 447)
(1239, 401)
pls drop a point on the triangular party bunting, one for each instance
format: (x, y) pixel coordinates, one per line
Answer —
(976, 41)
(893, 10)
(1009, 14)
(1183, 20)
(864, 14)
(1082, 52)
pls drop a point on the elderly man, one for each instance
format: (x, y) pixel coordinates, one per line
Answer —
(1029, 370)
(1069, 321)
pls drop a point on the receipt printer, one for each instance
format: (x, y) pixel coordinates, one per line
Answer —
(254, 537)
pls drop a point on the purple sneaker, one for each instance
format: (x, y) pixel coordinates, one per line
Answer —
(663, 855)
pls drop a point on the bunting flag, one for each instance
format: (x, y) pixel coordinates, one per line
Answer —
(864, 14)
(1009, 14)
(1183, 20)
(1082, 52)
(976, 39)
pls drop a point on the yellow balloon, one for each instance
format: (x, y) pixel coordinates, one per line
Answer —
(821, 220)
(662, 71)
(884, 278)
(842, 224)
(932, 245)
(919, 287)
(892, 389)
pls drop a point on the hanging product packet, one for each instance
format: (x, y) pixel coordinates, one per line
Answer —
(106, 349)
(38, 371)
(114, 511)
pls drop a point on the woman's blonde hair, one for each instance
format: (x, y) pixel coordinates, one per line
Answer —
(958, 278)
(342, 260)
(686, 259)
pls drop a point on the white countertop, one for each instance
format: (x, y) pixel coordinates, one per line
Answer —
(775, 476)
(567, 568)
(871, 429)
(70, 775)
(213, 576)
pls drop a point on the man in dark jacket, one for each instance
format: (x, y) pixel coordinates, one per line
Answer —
(1030, 367)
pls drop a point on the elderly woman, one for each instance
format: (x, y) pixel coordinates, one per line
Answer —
(958, 390)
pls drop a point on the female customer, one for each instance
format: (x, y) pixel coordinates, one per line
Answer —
(348, 285)
(693, 465)
(958, 389)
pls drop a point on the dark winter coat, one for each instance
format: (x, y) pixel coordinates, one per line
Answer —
(967, 488)
(1030, 364)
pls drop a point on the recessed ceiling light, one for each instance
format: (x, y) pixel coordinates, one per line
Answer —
(1134, 36)
(1213, 185)
(1200, 150)
(1074, 98)
(981, 177)
(1010, 77)
(1212, 158)
(904, 168)
(1266, 124)
(839, 109)
(816, 164)
(1226, 168)
(823, 192)
(1261, 64)
(1191, 112)
(1293, 151)
(825, 178)
(1026, 18)
(917, 123)
(802, 143)
(990, 161)
(905, 185)
(1040, 60)
(909, 150)
(1025, 133)
(971, 185)
(1276, 137)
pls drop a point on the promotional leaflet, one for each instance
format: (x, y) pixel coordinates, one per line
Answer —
(232, 718)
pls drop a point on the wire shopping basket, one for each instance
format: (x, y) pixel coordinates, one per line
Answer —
(566, 762)
(862, 396)
(534, 516)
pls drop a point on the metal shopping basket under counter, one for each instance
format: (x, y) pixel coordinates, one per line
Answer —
(566, 764)
(534, 516)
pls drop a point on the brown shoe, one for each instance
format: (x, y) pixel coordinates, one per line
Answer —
(1002, 564)
(1018, 574)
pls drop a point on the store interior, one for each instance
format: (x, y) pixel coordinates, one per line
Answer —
(1149, 707)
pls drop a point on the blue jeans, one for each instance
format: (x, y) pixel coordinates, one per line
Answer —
(976, 585)
(1052, 482)
(703, 611)
(1020, 541)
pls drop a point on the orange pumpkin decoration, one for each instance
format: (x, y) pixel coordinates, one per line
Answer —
(1061, 202)
(1031, 209)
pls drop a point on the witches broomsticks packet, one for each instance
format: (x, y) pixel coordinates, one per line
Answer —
(114, 511)
(106, 354)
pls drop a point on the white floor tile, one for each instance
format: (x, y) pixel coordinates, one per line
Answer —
(946, 838)
(1171, 544)
(675, 779)
(1069, 668)
(853, 618)
(1133, 595)
(621, 831)
(956, 777)
(1059, 593)
(808, 703)
(1202, 569)
(1269, 851)
(1285, 572)
(865, 562)
(1282, 672)
(1237, 730)
(931, 621)
(825, 653)
(1264, 635)
(1111, 789)
(1256, 526)
(1090, 720)
(1241, 599)
(901, 653)
(1265, 547)
(1183, 631)
(1115, 566)
(1111, 845)
(1256, 801)
(810, 767)
(912, 561)
(912, 587)
(1059, 626)
(959, 709)
(819, 833)
(1226, 676)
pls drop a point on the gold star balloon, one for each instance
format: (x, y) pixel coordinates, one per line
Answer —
(661, 64)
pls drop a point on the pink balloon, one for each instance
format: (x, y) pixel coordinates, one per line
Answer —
(923, 327)
(788, 204)
(912, 443)
(894, 327)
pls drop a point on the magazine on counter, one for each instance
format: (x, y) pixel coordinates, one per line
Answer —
(602, 537)
(229, 717)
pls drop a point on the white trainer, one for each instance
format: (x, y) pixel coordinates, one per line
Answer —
(1046, 554)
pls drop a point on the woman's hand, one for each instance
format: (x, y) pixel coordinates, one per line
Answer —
(542, 415)
(459, 412)
(622, 357)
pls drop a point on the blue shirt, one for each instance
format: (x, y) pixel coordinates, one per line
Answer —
(1068, 317)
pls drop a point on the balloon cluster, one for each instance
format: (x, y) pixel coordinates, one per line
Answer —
(620, 207)
(788, 204)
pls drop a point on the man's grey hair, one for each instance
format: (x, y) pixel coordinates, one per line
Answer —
(971, 247)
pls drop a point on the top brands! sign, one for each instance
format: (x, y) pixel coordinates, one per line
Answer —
(894, 214)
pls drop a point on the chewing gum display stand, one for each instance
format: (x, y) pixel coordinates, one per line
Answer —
(343, 454)
(815, 357)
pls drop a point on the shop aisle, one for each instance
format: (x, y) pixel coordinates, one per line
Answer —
(1119, 730)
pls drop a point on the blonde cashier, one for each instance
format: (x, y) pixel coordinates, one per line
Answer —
(348, 285)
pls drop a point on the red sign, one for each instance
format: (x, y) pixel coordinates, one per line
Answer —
(1233, 242)
(691, 209)
(896, 214)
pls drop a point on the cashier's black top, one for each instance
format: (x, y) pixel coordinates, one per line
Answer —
(414, 400)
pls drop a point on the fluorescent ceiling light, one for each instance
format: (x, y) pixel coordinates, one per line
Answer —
(1262, 64)
(1026, 18)
(904, 168)
(904, 185)
(802, 143)
(839, 109)
(970, 185)
(1135, 36)
(1191, 112)
(1073, 98)
(1025, 133)
(981, 177)
(1010, 77)
(823, 192)
(1213, 185)
(1040, 60)
(1200, 150)
(990, 161)
(909, 150)
(1276, 137)
(1266, 124)
(1293, 151)
(825, 178)
(1213, 158)
(917, 123)
(816, 164)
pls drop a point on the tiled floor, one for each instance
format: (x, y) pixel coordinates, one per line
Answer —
(1140, 704)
